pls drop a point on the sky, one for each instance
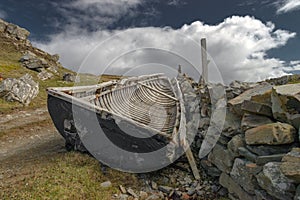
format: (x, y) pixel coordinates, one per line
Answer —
(247, 40)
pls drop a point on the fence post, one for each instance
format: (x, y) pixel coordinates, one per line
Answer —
(204, 61)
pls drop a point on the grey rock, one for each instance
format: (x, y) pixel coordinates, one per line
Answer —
(123, 197)
(262, 195)
(259, 90)
(242, 174)
(234, 188)
(106, 184)
(247, 154)
(257, 108)
(297, 195)
(44, 75)
(122, 189)
(251, 121)
(191, 191)
(265, 150)
(165, 189)
(55, 57)
(17, 32)
(223, 140)
(154, 185)
(23, 90)
(210, 169)
(285, 102)
(154, 197)
(261, 160)
(275, 183)
(68, 77)
(132, 193)
(222, 158)
(143, 195)
(290, 165)
(232, 124)
(235, 143)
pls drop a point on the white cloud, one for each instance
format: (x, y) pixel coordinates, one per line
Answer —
(3, 14)
(237, 46)
(176, 2)
(285, 6)
(96, 13)
(293, 66)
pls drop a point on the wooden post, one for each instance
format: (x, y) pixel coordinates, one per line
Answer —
(192, 163)
(204, 61)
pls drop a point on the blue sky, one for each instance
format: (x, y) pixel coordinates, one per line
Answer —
(247, 40)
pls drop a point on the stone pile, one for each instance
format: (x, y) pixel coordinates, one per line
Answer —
(171, 183)
(257, 154)
(23, 90)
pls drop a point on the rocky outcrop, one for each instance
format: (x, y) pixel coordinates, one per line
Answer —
(14, 31)
(23, 90)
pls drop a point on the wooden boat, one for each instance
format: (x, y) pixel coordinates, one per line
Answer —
(138, 115)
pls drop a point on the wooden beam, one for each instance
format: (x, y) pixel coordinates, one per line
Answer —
(192, 163)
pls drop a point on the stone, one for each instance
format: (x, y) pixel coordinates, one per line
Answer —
(258, 90)
(132, 193)
(262, 195)
(69, 77)
(271, 134)
(266, 150)
(44, 75)
(153, 197)
(251, 121)
(154, 185)
(241, 174)
(3, 25)
(297, 195)
(23, 90)
(222, 158)
(165, 189)
(285, 102)
(55, 57)
(295, 120)
(209, 168)
(17, 32)
(106, 184)
(232, 124)
(261, 160)
(143, 195)
(275, 183)
(290, 165)
(234, 188)
(257, 108)
(122, 189)
(191, 191)
(123, 197)
(247, 154)
(235, 143)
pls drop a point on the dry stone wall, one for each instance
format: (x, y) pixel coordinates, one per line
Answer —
(257, 155)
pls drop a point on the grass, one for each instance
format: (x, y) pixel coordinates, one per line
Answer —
(10, 67)
(68, 176)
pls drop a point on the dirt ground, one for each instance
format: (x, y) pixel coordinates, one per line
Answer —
(26, 137)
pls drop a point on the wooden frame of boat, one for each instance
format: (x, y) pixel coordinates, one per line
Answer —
(144, 102)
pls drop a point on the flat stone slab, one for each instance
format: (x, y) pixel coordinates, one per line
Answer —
(271, 134)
